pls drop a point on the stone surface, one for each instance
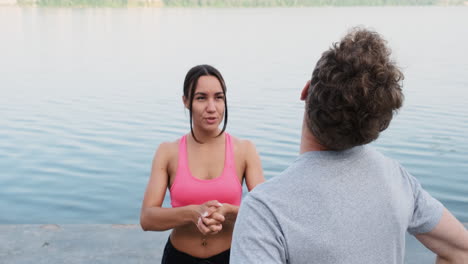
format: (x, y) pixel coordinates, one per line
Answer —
(73, 244)
(41, 244)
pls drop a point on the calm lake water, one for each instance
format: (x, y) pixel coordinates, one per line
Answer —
(87, 95)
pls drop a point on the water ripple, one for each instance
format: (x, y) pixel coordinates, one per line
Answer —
(80, 120)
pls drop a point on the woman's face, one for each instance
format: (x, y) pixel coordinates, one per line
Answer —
(207, 104)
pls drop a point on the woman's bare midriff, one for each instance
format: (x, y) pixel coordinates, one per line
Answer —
(188, 239)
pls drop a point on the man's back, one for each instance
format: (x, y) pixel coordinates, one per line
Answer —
(351, 206)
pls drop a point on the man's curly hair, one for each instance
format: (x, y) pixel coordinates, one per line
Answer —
(355, 90)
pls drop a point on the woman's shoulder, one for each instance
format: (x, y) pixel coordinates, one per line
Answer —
(242, 145)
(168, 149)
(169, 145)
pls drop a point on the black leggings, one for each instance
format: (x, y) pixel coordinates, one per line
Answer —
(173, 256)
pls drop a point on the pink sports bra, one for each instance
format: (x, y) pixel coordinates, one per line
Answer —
(186, 189)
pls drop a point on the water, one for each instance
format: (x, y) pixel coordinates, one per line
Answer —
(87, 95)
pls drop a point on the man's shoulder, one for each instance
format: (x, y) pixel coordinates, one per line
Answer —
(274, 190)
(281, 185)
(267, 188)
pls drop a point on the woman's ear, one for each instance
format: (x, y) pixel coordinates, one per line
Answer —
(185, 101)
(305, 91)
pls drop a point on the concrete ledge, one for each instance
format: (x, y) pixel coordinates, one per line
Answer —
(106, 243)
(46, 244)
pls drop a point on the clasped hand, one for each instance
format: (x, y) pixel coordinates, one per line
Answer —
(212, 216)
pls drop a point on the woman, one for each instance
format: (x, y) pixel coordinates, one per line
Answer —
(203, 171)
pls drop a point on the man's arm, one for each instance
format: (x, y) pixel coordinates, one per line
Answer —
(257, 235)
(449, 240)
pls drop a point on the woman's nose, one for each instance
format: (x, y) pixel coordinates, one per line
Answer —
(211, 106)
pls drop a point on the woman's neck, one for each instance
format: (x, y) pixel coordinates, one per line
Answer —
(206, 138)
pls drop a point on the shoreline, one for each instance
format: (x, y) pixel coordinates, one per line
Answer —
(109, 243)
(215, 4)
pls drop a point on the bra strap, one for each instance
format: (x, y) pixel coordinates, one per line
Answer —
(229, 151)
(183, 161)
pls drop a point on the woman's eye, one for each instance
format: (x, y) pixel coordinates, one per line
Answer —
(220, 97)
(199, 98)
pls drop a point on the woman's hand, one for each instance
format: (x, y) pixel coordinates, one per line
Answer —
(212, 216)
(205, 222)
(225, 213)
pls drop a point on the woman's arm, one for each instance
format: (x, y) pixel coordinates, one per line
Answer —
(253, 170)
(155, 218)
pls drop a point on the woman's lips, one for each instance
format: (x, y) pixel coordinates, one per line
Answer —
(211, 120)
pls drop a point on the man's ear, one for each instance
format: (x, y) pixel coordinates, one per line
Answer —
(305, 91)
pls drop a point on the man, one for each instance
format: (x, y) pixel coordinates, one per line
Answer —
(341, 201)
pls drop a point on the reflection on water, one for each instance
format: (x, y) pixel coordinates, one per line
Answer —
(89, 94)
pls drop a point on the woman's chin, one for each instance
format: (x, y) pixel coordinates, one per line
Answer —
(210, 129)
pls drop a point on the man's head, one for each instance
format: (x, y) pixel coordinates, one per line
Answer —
(354, 91)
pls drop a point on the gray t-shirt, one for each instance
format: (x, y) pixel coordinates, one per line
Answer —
(351, 206)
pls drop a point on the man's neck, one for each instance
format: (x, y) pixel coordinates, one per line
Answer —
(308, 140)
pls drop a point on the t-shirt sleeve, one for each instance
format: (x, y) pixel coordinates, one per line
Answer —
(257, 235)
(427, 210)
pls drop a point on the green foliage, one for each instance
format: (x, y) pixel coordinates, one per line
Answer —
(90, 3)
(287, 3)
(84, 3)
(233, 3)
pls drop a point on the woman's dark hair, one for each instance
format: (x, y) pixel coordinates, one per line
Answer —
(354, 91)
(190, 85)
